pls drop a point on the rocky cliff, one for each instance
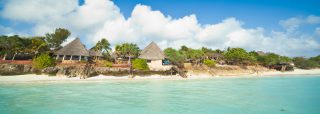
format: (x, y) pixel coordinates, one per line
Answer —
(15, 69)
(69, 71)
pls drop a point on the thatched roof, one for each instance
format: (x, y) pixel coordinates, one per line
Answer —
(152, 52)
(93, 52)
(73, 48)
(261, 53)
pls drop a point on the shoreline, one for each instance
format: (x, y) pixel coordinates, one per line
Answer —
(47, 78)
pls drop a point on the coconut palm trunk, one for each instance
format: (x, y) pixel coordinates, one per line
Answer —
(14, 56)
(4, 57)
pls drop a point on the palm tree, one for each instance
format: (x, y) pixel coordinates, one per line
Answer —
(127, 50)
(102, 45)
(38, 45)
(4, 46)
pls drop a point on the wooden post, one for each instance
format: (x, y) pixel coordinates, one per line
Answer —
(80, 58)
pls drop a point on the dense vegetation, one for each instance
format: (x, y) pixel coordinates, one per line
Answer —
(236, 56)
(174, 56)
(13, 45)
(209, 63)
(43, 61)
(140, 64)
(107, 63)
(304, 63)
(54, 40)
(127, 50)
(10, 46)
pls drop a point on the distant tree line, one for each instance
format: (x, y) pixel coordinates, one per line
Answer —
(37, 45)
(13, 45)
(236, 56)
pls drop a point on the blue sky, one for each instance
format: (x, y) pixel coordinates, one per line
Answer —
(264, 13)
(289, 27)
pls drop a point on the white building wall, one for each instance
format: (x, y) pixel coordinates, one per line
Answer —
(156, 65)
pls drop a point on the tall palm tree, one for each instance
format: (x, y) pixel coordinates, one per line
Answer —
(127, 50)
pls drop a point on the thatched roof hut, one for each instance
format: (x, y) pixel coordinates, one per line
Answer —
(152, 52)
(73, 48)
(261, 53)
(93, 52)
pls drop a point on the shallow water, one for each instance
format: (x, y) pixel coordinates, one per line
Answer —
(267, 95)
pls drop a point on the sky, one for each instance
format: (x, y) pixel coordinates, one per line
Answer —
(286, 27)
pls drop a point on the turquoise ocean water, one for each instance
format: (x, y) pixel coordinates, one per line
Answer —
(267, 95)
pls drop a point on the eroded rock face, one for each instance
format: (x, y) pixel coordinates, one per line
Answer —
(68, 71)
(75, 71)
(112, 71)
(14, 69)
(50, 70)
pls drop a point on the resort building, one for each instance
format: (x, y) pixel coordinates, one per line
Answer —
(73, 52)
(95, 55)
(155, 57)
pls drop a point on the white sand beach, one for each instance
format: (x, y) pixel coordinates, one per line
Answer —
(41, 78)
(295, 72)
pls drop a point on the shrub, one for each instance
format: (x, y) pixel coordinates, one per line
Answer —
(209, 63)
(43, 61)
(107, 63)
(238, 56)
(304, 63)
(140, 64)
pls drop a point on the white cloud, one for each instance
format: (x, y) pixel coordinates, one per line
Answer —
(37, 10)
(82, 21)
(98, 19)
(294, 23)
(313, 19)
(291, 24)
(317, 31)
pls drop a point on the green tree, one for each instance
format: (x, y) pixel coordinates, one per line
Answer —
(316, 59)
(196, 55)
(39, 45)
(269, 59)
(129, 50)
(140, 64)
(4, 46)
(209, 63)
(102, 45)
(174, 56)
(55, 39)
(208, 53)
(107, 63)
(43, 61)
(192, 55)
(304, 63)
(238, 56)
(16, 45)
(284, 59)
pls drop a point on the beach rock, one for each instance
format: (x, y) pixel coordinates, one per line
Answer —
(64, 71)
(75, 71)
(14, 69)
(50, 70)
(111, 71)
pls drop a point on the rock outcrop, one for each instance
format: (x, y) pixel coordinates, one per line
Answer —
(15, 69)
(72, 71)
